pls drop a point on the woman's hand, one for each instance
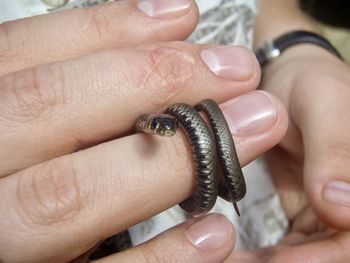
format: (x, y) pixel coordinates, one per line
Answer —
(311, 165)
(70, 82)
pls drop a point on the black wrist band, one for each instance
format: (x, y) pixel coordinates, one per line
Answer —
(273, 49)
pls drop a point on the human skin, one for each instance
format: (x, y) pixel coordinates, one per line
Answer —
(72, 85)
(310, 167)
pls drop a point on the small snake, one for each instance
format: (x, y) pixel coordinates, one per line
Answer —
(210, 147)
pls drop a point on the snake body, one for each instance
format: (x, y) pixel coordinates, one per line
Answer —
(233, 187)
(203, 154)
(217, 168)
(213, 152)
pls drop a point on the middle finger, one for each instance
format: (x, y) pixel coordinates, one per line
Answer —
(55, 109)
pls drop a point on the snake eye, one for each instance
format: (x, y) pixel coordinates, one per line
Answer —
(169, 124)
(154, 124)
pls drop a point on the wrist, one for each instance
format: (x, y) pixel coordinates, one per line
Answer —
(277, 17)
(297, 63)
(274, 48)
(306, 52)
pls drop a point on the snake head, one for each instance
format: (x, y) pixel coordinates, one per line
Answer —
(160, 124)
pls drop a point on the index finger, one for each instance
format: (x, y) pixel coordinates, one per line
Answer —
(43, 39)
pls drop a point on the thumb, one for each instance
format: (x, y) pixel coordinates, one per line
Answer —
(325, 126)
(208, 238)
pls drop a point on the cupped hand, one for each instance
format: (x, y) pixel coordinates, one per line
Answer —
(311, 167)
(72, 85)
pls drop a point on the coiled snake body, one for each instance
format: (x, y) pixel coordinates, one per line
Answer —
(209, 149)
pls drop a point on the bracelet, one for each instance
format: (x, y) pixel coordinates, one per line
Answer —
(273, 49)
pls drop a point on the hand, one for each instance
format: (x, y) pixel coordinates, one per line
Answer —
(311, 165)
(70, 81)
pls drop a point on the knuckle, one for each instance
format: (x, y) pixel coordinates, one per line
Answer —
(310, 83)
(50, 194)
(152, 255)
(170, 71)
(98, 23)
(149, 255)
(7, 53)
(154, 252)
(30, 94)
(338, 149)
(96, 20)
(307, 83)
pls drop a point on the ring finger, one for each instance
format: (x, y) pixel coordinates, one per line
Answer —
(84, 197)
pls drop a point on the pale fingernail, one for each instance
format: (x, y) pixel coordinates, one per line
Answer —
(251, 114)
(164, 8)
(210, 231)
(337, 192)
(232, 63)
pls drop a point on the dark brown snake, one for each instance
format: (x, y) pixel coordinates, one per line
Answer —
(212, 152)
(217, 168)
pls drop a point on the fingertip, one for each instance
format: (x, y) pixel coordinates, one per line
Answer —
(329, 195)
(235, 63)
(210, 232)
(207, 238)
(173, 20)
(335, 208)
(257, 120)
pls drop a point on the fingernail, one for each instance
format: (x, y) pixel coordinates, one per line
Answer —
(210, 231)
(231, 63)
(251, 114)
(337, 192)
(164, 8)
